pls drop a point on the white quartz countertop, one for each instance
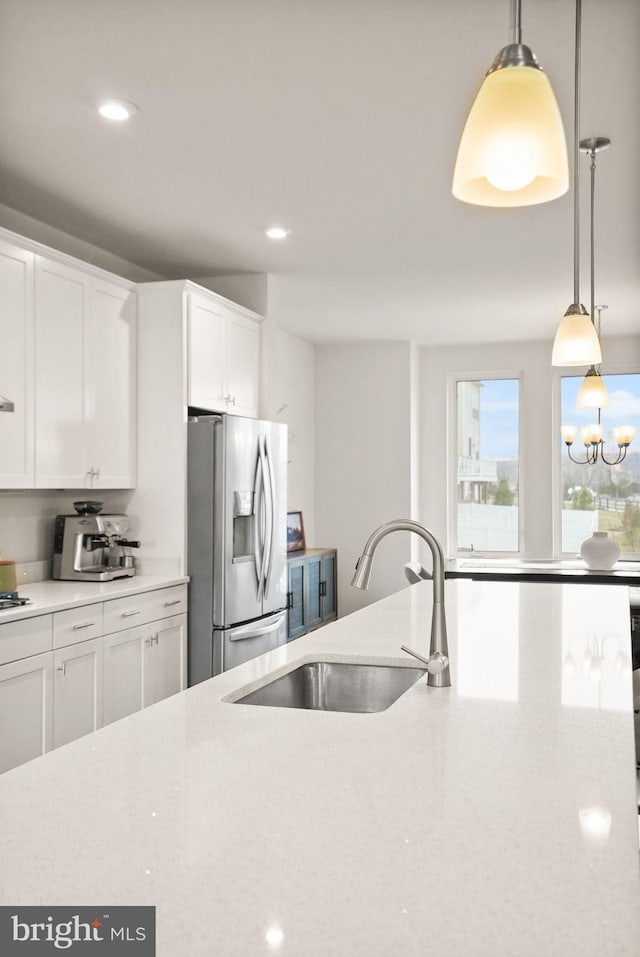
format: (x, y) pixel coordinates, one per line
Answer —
(495, 817)
(50, 596)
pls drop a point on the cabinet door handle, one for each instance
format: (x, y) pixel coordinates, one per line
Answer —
(289, 599)
(62, 668)
(168, 604)
(89, 624)
(129, 614)
(148, 641)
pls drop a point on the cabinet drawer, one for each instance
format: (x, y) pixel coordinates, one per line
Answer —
(171, 601)
(77, 624)
(26, 637)
(140, 609)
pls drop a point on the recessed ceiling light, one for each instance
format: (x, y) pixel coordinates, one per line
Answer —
(276, 232)
(117, 109)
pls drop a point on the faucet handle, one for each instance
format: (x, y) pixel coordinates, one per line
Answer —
(435, 663)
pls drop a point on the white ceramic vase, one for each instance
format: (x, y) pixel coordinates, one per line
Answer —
(600, 552)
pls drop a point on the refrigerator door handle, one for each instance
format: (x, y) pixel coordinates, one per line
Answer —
(258, 513)
(271, 522)
(247, 631)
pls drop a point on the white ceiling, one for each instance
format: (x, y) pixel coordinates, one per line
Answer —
(337, 118)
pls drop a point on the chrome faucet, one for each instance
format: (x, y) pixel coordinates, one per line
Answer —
(438, 661)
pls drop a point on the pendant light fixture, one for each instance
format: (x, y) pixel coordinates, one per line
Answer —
(576, 342)
(513, 150)
(593, 393)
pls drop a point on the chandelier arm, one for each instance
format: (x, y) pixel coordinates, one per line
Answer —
(622, 454)
(587, 460)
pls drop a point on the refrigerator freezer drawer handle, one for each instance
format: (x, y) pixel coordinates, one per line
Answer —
(254, 632)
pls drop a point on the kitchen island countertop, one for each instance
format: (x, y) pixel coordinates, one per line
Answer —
(497, 816)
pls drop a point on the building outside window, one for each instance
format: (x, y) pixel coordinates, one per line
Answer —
(600, 497)
(487, 474)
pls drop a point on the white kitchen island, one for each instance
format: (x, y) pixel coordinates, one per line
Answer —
(495, 817)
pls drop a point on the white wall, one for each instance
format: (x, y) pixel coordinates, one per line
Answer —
(363, 459)
(539, 398)
(287, 394)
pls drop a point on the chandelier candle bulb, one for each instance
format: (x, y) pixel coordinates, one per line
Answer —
(623, 435)
(569, 433)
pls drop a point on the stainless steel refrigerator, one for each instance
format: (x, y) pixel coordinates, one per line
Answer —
(237, 541)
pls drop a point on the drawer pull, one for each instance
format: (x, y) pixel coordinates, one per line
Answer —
(89, 624)
(129, 614)
(177, 601)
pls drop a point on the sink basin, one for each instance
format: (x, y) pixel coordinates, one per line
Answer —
(336, 686)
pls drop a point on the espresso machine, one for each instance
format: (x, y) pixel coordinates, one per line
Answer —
(92, 547)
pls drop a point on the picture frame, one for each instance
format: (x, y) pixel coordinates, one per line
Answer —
(295, 532)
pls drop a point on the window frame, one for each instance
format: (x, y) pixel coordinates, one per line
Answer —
(558, 451)
(453, 378)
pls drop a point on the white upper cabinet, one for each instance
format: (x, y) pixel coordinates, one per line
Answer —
(110, 404)
(61, 305)
(223, 349)
(243, 363)
(68, 366)
(16, 366)
(206, 374)
(85, 339)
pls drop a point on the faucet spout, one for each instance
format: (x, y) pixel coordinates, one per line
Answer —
(438, 661)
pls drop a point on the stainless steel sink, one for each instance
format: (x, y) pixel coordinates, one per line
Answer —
(336, 686)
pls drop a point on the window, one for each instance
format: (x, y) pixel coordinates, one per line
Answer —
(487, 474)
(602, 498)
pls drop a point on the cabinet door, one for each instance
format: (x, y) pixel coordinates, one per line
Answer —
(16, 366)
(313, 589)
(123, 660)
(110, 407)
(26, 689)
(206, 350)
(328, 587)
(165, 659)
(77, 691)
(295, 622)
(60, 307)
(243, 362)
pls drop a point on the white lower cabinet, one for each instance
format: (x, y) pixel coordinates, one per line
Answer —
(26, 709)
(144, 665)
(165, 666)
(56, 695)
(123, 657)
(77, 691)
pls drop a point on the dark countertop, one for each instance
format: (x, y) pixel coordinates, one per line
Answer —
(623, 573)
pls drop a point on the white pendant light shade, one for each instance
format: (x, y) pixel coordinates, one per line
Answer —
(592, 394)
(576, 342)
(513, 150)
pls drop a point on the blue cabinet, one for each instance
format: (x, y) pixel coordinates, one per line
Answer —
(312, 597)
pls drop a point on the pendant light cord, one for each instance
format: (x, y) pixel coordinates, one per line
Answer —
(592, 168)
(576, 161)
(516, 21)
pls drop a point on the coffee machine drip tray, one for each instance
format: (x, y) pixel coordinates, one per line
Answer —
(105, 574)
